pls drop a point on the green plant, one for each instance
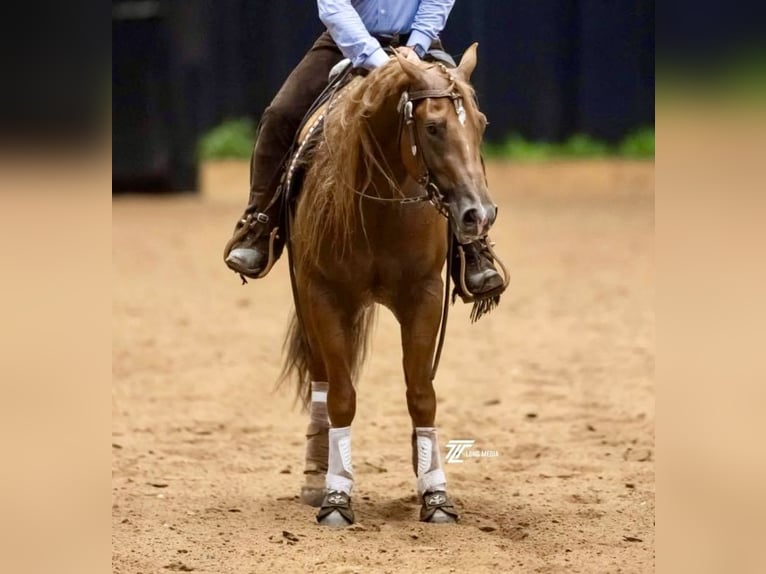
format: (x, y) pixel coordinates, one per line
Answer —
(517, 147)
(584, 146)
(233, 139)
(637, 144)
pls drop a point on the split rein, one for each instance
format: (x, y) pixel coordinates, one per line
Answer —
(432, 194)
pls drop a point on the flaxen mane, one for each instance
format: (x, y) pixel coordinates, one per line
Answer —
(349, 155)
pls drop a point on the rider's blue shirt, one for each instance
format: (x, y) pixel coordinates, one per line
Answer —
(352, 24)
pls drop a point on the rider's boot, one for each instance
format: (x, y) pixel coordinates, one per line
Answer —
(475, 275)
(257, 241)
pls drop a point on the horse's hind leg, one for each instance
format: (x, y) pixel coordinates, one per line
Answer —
(333, 324)
(419, 314)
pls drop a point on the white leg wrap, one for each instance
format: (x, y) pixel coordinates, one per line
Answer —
(429, 469)
(319, 404)
(339, 472)
(316, 433)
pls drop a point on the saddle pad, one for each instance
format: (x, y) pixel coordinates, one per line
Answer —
(314, 115)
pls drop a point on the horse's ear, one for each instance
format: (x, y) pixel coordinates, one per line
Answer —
(468, 62)
(412, 70)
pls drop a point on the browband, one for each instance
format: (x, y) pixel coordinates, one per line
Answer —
(448, 92)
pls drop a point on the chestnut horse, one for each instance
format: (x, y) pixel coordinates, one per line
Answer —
(359, 236)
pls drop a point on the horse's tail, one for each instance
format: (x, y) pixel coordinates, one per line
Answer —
(297, 352)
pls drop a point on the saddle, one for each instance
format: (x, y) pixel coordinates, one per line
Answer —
(311, 128)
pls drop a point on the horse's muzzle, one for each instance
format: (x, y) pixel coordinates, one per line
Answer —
(473, 220)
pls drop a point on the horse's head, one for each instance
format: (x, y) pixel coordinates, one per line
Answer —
(441, 141)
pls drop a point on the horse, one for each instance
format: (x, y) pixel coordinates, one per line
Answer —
(360, 236)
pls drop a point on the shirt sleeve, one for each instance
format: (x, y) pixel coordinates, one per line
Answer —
(350, 34)
(429, 22)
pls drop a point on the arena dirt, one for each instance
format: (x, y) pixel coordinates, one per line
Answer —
(207, 456)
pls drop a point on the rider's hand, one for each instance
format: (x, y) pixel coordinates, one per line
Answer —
(408, 53)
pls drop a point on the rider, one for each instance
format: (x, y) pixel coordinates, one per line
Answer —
(358, 30)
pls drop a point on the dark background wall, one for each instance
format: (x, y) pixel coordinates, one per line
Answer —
(547, 69)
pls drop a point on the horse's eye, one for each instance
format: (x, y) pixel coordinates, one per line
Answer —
(432, 129)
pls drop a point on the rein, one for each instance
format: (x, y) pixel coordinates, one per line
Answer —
(432, 192)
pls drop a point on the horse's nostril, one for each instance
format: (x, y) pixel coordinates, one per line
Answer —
(471, 217)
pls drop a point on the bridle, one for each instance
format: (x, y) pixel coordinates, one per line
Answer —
(407, 129)
(420, 171)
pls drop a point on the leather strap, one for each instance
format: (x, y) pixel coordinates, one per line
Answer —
(448, 92)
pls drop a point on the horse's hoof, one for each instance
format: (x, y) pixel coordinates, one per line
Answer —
(335, 518)
(437, 508)
(336, 509)
(312, 495)
(441, 517)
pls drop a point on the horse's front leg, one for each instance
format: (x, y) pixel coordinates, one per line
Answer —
(331, 318)
(419, 313)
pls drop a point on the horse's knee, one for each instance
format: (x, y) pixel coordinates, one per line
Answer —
(341, 404)
(421, 402)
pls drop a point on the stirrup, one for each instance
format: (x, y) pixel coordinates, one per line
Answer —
(483, 303)
(247, 224)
